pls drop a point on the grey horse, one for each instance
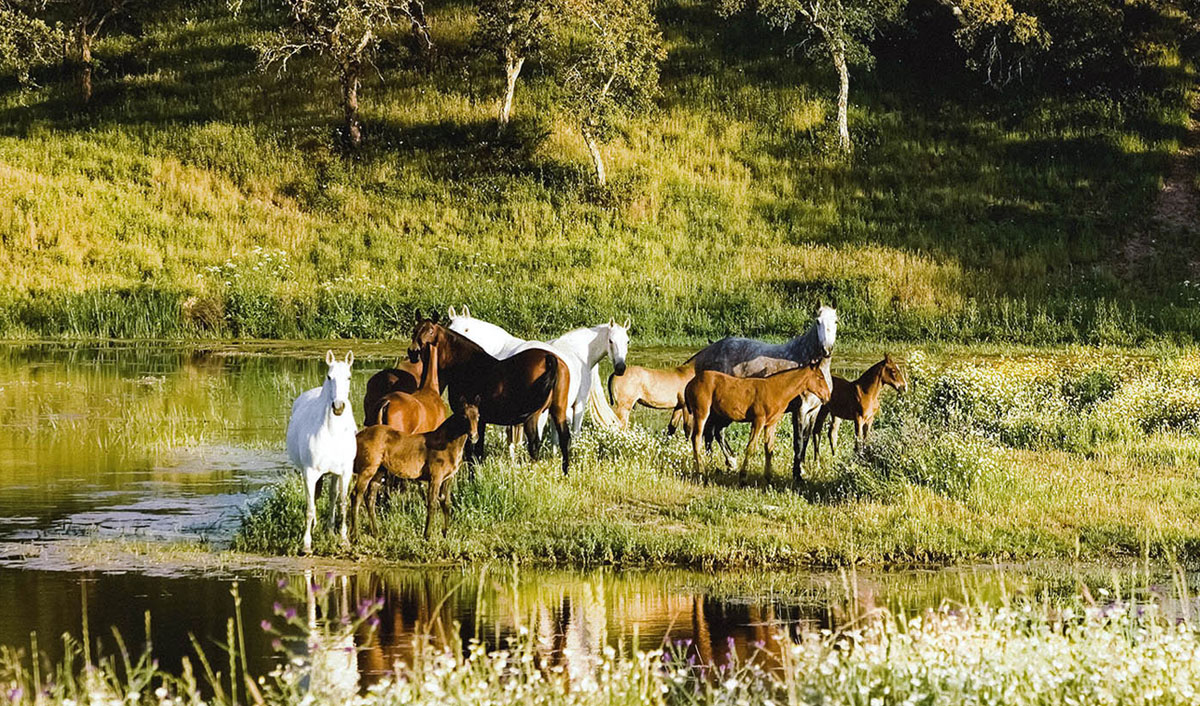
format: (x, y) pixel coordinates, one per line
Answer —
(746, 357)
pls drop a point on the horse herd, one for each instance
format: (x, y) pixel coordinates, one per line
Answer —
(489, 376)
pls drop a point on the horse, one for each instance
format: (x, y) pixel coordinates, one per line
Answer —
(744, 357)
(656, 389)
(405, 377)
(581, 349)
(432, 456)
(320, 440)
(421, 410)
(857, 401)
(510, 391)
(718, 399)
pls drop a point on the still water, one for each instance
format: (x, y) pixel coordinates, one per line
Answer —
(163, 442)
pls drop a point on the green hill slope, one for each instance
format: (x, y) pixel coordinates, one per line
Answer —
(199, 197)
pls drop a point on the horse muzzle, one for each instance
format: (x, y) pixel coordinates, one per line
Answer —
(619, 368)
(414, 355)
(338, 408)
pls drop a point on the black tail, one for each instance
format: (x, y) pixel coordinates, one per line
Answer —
(611, 400)
(544, 385)
(382, 417)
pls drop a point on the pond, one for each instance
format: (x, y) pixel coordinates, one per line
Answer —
(169, 442)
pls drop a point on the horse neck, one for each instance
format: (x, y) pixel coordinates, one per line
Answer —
(455, 426)
(429, 375)
(325, 400)
(589, 344)
(871, 381)
(459, 356)
(806, 344)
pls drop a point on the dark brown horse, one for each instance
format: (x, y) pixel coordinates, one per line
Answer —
(509, 391)
(858, 401)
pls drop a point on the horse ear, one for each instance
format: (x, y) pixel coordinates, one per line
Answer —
(628, 323)
(611, 322)
(452, 314)
(466, 311)
(329, 359)
(349, 358)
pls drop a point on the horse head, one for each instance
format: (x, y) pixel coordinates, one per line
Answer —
(618, 344)
(471, 412)
(893, 375)
(827, 321)
(337, 381)
(427, 332)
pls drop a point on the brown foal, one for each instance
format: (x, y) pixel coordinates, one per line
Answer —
(716, 400)
(858, 401)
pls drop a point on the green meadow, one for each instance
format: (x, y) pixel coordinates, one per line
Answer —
(200, 197)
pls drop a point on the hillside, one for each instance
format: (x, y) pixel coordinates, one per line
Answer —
(198, 196)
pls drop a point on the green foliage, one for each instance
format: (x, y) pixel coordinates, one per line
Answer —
(27, 41)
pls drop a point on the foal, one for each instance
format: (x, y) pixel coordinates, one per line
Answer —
(716, 400)
(858, 401)
(433, 456)
(419, 411)
(656, 389)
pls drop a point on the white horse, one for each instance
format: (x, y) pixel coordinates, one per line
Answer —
(320, 440)
(582, 349)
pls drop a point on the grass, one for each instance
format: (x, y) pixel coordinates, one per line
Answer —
(1071, 457)
(1020, 652)
(198, 197)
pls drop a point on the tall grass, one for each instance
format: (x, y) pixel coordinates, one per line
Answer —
(963, 216)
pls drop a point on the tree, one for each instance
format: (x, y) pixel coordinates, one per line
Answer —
(27, 41)
(998, 38)
(515, 30)
(87, 19)
(613, 70)
(349, 33)
(843, 28)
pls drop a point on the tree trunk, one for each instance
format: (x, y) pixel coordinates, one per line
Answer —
(594, 149)
(843, 100)
(85, 63)
(512, 69)
(350, 83)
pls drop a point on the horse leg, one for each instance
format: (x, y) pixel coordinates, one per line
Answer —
(514, 439)
(697, 434)
(730, 458)
(344, 502)
(860, 434)
(676, 421)
(446, 507)
(797, 442)
(564, 443)
(474, 452)
(821, 415)
(431, 503)
(832, 435)
(533, 437)
(372, 501)
(310, 515)
(769, 451)
(755, 429)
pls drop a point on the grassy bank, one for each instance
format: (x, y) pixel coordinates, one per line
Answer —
(1063, 652)
(1070, 456)
(198, 197)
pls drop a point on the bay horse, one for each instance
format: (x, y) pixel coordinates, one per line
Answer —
(405, 377)
(432, 456)
(580, 349)
(745, 357)
(857, 401)
(510, 391)
(717, 400)
(419, 411)
(656, 389)
(320, 440)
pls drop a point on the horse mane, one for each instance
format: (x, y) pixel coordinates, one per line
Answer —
(874, 371)
(460, 340)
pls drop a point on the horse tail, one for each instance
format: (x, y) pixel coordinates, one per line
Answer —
(544, 385)
(382, 416)
(611, 399)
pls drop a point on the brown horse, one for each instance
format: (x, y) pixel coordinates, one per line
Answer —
(858, 401)
(716, 400)
(433, 456)
(405, 377)
(420, 411)
(656, 389)
(510, 391)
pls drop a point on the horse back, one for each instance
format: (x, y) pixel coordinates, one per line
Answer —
(743, 357)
